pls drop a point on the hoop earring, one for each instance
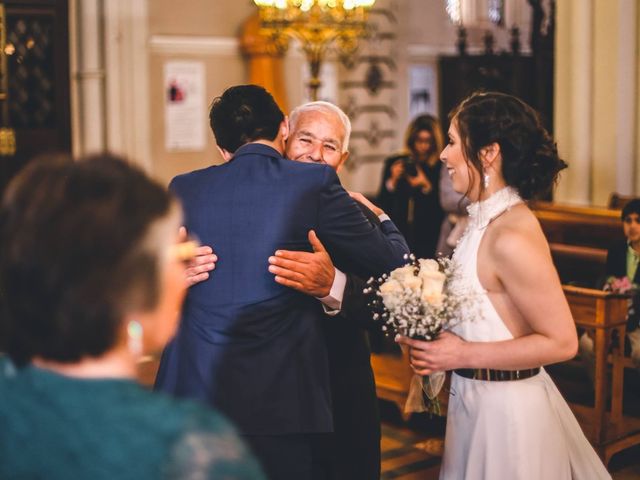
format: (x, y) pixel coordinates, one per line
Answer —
(486, 180)
(135, 333)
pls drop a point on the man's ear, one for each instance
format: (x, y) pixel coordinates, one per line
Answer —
(284, 128)
(343, 159)
(226, 156)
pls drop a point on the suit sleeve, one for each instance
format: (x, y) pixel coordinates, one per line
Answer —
(345, 231)
(355, 306)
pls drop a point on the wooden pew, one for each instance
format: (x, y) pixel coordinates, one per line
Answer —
(579, 238)
(602, 313)
(393, 377)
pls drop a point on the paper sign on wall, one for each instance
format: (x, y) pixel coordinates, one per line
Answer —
(423, 93)
(184, 114)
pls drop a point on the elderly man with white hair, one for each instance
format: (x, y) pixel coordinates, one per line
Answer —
(319, 133)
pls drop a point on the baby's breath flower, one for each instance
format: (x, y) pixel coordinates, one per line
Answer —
(417, 300)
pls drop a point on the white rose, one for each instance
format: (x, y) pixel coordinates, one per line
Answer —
(391, 290)
(428, 265)
(401, 274)
(434, 299)
(412, 283)
(432, 286)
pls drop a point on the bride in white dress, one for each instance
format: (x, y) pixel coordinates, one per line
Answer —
(506, 419)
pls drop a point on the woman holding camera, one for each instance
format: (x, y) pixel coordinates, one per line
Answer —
(409, 192)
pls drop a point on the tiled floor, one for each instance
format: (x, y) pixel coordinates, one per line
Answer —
(410, 450)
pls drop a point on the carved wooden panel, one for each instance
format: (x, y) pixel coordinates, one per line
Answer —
(369, 90)
(32, 74)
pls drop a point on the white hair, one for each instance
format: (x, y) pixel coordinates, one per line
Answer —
(325, 107)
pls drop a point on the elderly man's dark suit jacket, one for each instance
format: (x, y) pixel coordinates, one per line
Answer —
(247, 345)
(356, 442)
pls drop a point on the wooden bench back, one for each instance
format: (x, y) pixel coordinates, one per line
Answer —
(592, 308)
(579, 238)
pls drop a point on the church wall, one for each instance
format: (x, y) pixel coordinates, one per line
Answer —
(422, 31)
(597, 99)
(597, 106)
(193, 30)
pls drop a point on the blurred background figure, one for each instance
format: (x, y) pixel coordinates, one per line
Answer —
(92, 277)
(456, 217)
(409, 193)
(622, 275)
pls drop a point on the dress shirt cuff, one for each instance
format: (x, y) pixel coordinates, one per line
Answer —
(332, 303)
(384, 217)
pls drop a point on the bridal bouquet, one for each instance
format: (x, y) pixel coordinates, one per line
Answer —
(417, 301)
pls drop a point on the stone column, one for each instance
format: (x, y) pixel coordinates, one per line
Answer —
(572, 103)
(596, 99)
(87, 77)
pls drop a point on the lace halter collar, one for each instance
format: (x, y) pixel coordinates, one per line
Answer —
(483, 212)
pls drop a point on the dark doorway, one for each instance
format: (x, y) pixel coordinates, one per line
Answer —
(37, 51)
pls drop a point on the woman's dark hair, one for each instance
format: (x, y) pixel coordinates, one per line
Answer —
(425, 123)
(633, 206)
(243, 114)
(74, 256)
(530, 161)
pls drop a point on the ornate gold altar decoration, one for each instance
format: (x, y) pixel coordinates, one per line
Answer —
(7, 134)
(317, 25)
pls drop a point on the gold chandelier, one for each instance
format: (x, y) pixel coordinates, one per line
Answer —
(317, 24)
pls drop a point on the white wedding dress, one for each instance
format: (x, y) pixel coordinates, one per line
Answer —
(507, 430)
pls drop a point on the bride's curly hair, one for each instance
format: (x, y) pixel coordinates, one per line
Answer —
(530, 161)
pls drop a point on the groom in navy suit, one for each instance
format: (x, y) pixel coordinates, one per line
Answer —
(249, 346)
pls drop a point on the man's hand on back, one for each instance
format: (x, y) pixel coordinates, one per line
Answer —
(310, 273)
(201, 264)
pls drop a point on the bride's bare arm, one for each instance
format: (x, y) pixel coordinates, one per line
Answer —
(525, 270)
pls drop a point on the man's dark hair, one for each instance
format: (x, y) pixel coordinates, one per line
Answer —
(243, 114)
(75, 256)
(633, 206)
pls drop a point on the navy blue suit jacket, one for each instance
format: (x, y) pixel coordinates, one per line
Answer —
(247, 345)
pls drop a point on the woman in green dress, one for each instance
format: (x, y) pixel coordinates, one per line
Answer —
(92, 276)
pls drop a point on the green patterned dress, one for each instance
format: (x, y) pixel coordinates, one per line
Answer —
(56, 427)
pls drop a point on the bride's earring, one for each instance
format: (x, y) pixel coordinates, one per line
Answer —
(486, 181)
(134, 334)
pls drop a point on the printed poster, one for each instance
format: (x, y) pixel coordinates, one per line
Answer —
(185, 113)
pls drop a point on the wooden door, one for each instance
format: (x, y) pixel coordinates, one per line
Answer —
(37, 53)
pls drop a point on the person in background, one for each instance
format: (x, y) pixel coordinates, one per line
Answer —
(622, 275)
(454, 223)
(409, 193)
(91, 279)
